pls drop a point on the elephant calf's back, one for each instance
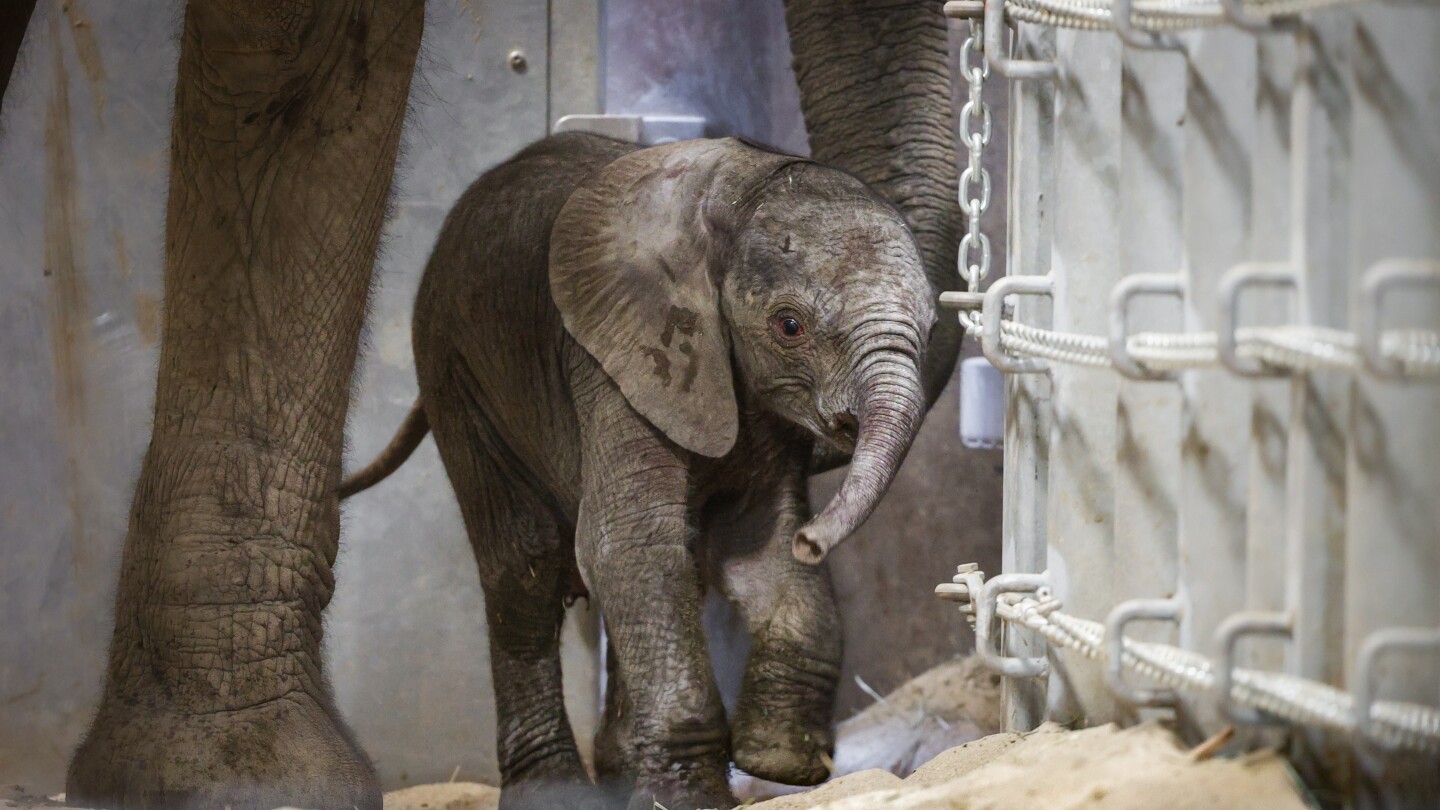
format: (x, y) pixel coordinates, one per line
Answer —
(489, 343)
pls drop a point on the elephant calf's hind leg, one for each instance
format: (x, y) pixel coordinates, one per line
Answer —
(525, 570)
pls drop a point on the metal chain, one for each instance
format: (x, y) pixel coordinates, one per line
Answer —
(974, 194)
(975, 128)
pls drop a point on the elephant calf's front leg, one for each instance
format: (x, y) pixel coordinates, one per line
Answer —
(631, 546)
(782, 726)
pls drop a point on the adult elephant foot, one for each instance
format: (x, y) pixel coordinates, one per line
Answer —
(288, 752)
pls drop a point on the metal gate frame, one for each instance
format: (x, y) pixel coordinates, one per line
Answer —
(1221, 333)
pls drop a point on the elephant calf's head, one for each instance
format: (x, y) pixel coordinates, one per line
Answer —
(690, 268)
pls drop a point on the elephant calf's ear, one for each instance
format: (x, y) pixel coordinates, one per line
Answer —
(631, 258)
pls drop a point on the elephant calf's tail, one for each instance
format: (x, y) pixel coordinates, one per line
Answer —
(414, 428)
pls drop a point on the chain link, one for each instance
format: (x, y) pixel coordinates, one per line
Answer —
(974, 193)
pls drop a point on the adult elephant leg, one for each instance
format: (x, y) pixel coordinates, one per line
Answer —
(781, 730)
(875, 92)
(286, 123)
(633, 550)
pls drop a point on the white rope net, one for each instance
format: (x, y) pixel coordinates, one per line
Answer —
(1296, 348)
(1394, 724)
(1152, 15)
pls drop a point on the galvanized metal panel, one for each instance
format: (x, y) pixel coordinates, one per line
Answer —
(1147, 453)
(1269, 424)
(83, 155)
(1027, 422)
(1085, 258)
(1393, 512)
(1216, 226)
(685, 58)
(1320, 122)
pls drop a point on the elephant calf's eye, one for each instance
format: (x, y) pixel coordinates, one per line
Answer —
(788, 327)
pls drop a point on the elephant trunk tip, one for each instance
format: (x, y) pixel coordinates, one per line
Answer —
(814, 540)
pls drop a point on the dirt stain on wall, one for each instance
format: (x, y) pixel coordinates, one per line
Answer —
(69, 298)
(147, 318)
(87, 47)
(122, 256)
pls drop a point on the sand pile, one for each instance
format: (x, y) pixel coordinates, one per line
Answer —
(1103, 768)
(949, 705)
(939, 719)
(444, 796)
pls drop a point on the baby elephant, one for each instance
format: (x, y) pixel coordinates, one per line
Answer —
(629, 357)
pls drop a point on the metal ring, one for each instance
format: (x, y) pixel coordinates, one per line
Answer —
(966, 49)
(966, 245)
(1121, 615)
(1377, 644)
(992, 312)
(1122, 19)
(967, 136)
(1383, 277)
(1227, 635)
(1129, 287)
(1240, 277)
(1017, 69)
(966, 178)
(990, 655)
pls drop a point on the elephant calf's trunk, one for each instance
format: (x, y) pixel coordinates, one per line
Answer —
(890, 415)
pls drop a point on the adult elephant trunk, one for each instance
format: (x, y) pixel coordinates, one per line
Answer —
(875, 91)
(890, 408)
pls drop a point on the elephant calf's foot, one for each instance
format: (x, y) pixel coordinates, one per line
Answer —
(287, 752)
(781, 747)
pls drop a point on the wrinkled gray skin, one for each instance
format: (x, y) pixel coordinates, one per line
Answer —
(631, 405)
(874, 80)
(286, 125)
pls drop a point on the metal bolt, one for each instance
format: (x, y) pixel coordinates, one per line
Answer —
(953, 591)
(517, 61)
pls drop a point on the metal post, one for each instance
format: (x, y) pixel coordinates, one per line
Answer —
(1027, 421)
(1215, 227)
(1085, 257)
(1147, 458)
(1393, 511)
(1319, 130)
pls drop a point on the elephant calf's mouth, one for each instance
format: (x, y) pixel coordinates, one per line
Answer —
(842, 432)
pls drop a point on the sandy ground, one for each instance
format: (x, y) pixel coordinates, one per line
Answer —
(949, 705)
(1104, 768)
(930, 745)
